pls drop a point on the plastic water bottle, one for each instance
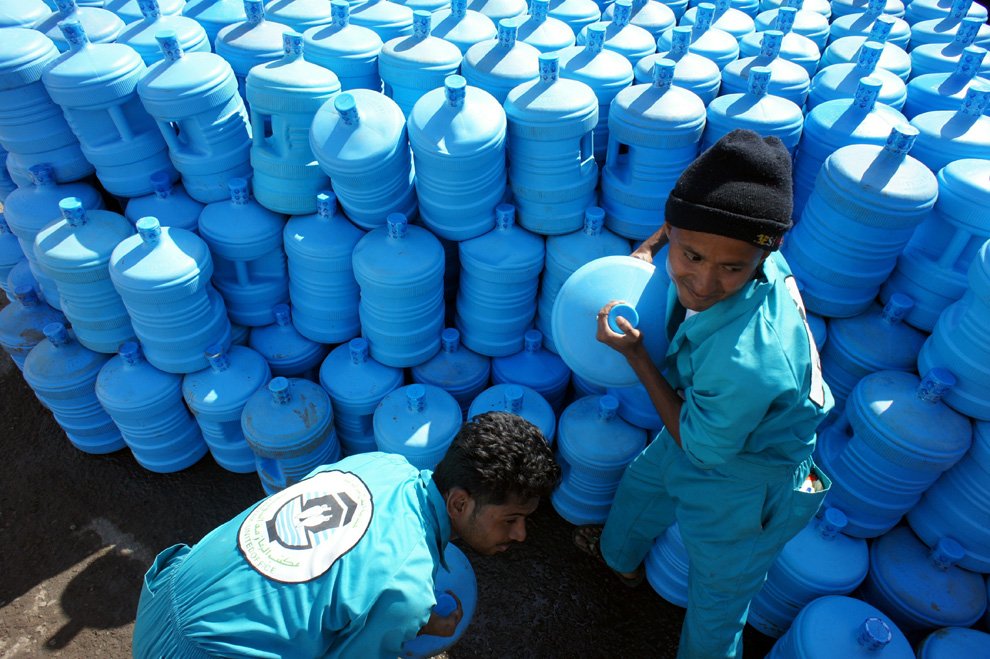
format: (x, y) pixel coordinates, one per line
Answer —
(411, 66)
(841, 80)
(543, 32)
(10, 255)
(727, 18)
(102, 26)
(459, 371)
(418, 421)
(654, 17)
(521, 401)
(24, 13)
(169, 203)
(943, 30)
(710, 42)
(214, 15)
(250, 43)
(299, 15)
(22, 322)
(389, 20)
(20, 275)
(946, 136)
(349, 50)
(787, 79)
(693, 72)
(576, 13)
(944, 57)
(194, 100)
(461, 26)
(636, 408)
(133, 10)
(954, 642)
(845, 7)
(945, 91)
(860, 24)
(287, 352)
(632, 42)
(915, 12)
(6, 184)
(498, 9)
(667, 567)
(794, 47)
(536, 368)
(499, 65)
(807, 21)
(140, 34)
(893, 58)
(456, 575)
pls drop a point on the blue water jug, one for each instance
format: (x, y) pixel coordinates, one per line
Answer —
(25, 13)
(169, 203)
(284, 96)
(399, 268)
(245, 240)
(456, 575)
(10, 255)
(298, 15)
(500, 276)
(461, 26)
(193, 97)
(33, 129)
(846, 7)
(389, 20)
(581, 387)
(954, 642)
(500, 64)
(349, 50)
(459, 371)
(214, 15)
(944, 57)
(498, 9)
(75, 252)
(140, 34)
(20, 275)
(943, 30)
(356, 384)
(860, 24)
(567, 253)
(543, 32)
(915, 12)
(870, 195)
(643, 289)
(636, 407)
(414, 65)
(62, 374)
(889, 445)
(594, 447)
(322, 287)
(841, 80)
(667, 567)
(519, 400)
(787, 80)
(553, 173)
(809, 24)
(876, 340)
(794, 47)
(632, 42)
(249, 43)
(946, 91)
(934, 263)
(163, 277)
(727, 18)
(605, 71)
(655, 133)
(580, 13)
(133, 10)
(288, 353)
(893, 58)
(289, 427)
(838, 626)
(418, 421)
(921, 589)
(6, 184)
(691, 71)
(146, 404)
(756, 110)
(101, 26)
(360, 141)
(217, 396)
(961, 342)
(22, 322)
(536, 368)
(654, 17)
(820, 560)
(710, 42)
(457, 136)
(835, 124)
(96, 85)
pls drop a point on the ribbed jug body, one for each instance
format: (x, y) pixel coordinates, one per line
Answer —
(146, 404)
(217, 395)
(457, 136)
(169, 203)
(576, 13)
(96, 86)
(10, 255)
(875, 340)
(389, 20)
(349, 50)
(26, 13)
(461, 26)
(289, 426)
(957, 505)
(140, 34)
(33, 129)
(552, 168)
(75, 252)
(519, 400)
(360, 141)
(755, 110)
(413, 65)
(284, 96)
(498, 9)
(536, 368)
(820, 560)
(787, 79)
(636, 408)
(251, 42)
(245, 240)
(500, 276)
(933, 265)
(298, 15)
(888, 446)
(874, 196)
(214, 15)
(459, 371)
(655, 132)
(62, 373)
(954, 642)
(288, 353)
(322, 287)
(163, 277)
(667, 567)
(103, 26)
(567, 253)
(960, 342)
(594, 447)
(399, 269)
(842, 80)
(418, 421)
(836, 625)
(356, 384)
(22, 323)
(498, 65)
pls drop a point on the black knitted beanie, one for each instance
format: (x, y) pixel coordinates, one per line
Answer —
(740, 188)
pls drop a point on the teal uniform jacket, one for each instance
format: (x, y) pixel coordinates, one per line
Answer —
(341, 564)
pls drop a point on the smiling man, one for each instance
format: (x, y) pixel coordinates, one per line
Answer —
(342, 564)
(741, 395)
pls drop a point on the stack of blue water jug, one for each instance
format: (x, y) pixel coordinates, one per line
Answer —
(199, 196)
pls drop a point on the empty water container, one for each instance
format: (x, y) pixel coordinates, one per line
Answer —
(946, 91)
(860, 24)
(247, 44)
(578, 13)
(460, 372)
(807, 22)
(289, 427)
(169, 203)
(594, 447)
(101, 25)
(133, 10)
(727, 18)
(32, 128)
(75, 252)
(287, 352)
(667, 567)
(841, 80)
(536, 368)
(349, 50)
(163, 277)
(245, 240)
(519, 400)
(916, 12)
(636, 407)
(194, 100)
(140, 35)
(414, 65)
(146, 404)
(756, 110)
(359, 139)
(944, 57)
(845, 7)
(543, 32)
(10, 255)
(356, 384)
(96, 85)
(389, 20)
(632, 42)
(691, 71)
(712, 43)
(893, 58)
(457, 136)
(787, 79)
(794, 47)
(553, 173)
(943, 30)
(418, 421)
(214, 15)
(654, 17)
(872, 196)
(217, 396)
(62, 374)
(954, 642)
(24, 13)
(454, 575)
(6, 184)
(498, 9)
(298, 15)
(461, 26)
(500, 64)
(20, 275)
(22, 322)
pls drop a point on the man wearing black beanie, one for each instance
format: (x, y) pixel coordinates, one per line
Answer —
(741, 395)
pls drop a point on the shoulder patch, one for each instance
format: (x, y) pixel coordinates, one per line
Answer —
(296, 535)
(817, 391)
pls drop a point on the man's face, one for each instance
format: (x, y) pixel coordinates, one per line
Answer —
(707, 268)
(490, 529)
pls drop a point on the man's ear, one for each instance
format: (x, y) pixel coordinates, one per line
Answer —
(458, 502)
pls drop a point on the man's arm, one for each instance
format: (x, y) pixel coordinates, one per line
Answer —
(648, 249)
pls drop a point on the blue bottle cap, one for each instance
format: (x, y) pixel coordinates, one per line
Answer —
(168, 42)
(279, 389)
(422, 21)
(149, 9)
(149, 229)
(416, 397)
(901, 139)
(874, 635)
(935, 384)
(56, 334)
(759, 81)
(663, 74)
(73, 211)
(455, 89)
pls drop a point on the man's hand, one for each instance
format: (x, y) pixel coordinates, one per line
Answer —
(629, 344)
(649, 247)
(440, 625)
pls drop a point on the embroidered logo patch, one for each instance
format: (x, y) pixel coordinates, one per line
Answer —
(297, 534)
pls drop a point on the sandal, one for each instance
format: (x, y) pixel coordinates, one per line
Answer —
(587, 539)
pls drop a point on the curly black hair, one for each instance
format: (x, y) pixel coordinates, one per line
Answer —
(497, 457)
